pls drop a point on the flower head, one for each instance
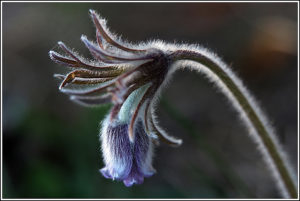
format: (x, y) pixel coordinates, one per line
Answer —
(130, 78)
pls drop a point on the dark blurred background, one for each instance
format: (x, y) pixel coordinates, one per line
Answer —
(51, 147)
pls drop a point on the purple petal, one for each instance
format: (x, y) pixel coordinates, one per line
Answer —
(117, 151)
(135, 176)
(133, 180)
(126, 161)
(143, 151)
(104, 171)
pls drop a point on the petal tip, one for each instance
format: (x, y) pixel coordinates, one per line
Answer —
(51, 53)
(105, 173)
(131, 181)
(83, 37)
(60, 43)
(179, 142)
(59, 76)
(92, 12)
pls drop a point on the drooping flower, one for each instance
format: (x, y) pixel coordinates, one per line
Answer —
(129, 77)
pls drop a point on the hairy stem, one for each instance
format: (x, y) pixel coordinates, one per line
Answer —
(261, 133)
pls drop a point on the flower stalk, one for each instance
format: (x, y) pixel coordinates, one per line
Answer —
(252, 116)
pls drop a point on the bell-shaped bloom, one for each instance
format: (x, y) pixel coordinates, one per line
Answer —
(129, 77)
(126, 161)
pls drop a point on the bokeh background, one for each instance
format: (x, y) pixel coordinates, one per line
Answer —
(51, 147)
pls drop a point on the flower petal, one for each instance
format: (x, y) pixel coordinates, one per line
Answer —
(117, 150)
(143, 151)
(105, 172)
(135, 176)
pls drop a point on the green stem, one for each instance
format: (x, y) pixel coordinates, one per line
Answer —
(263, 136)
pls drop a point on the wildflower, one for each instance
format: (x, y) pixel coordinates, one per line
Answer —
(131, 79)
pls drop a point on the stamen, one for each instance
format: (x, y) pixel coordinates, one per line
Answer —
(106, 36)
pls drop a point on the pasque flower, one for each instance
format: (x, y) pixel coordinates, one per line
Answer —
(131, 77)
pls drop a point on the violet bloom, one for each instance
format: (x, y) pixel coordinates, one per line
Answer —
(130, 77)
(126, 161)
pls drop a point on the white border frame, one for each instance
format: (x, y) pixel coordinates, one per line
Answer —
(141, 2)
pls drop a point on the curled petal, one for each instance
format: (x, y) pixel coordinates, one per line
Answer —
(87, 74)
(163, 135)
(69, 52)
(75, 57)
(105, 56)
(106, 36)
(92, 100)
(62, 60)
(59, 76)
(79, 80)
(98, 53)
(99, 40)
(93, 91)
(83, 81)
(56, 57)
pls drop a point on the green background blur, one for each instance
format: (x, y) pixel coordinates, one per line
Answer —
(51, 147)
